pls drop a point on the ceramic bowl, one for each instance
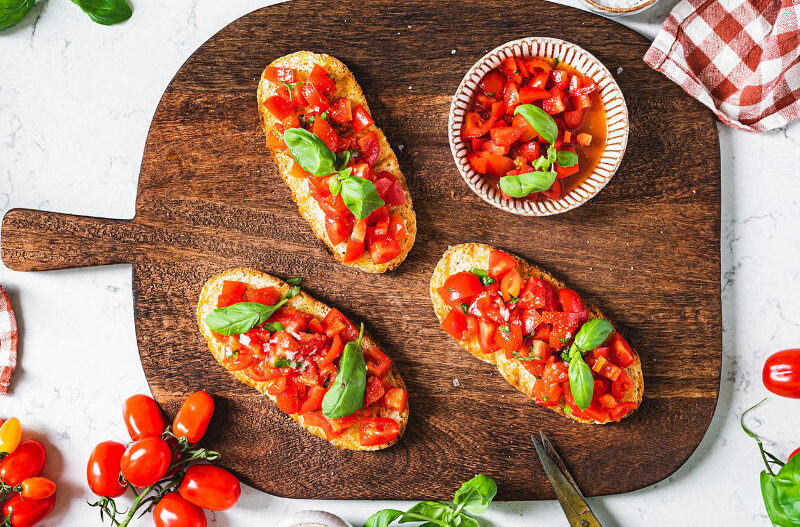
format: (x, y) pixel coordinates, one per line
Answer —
(312, 519)
(610, 95)
(598, 7)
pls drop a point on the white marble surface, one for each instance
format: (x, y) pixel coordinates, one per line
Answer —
(76, 100)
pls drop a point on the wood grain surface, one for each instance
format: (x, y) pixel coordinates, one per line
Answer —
(646, 250)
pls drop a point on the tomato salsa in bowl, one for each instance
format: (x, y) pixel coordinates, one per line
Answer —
(538, 126)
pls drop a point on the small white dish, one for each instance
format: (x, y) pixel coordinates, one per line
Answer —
(617, 125)
(313, 519)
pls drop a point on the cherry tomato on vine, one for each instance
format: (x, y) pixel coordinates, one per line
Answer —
(781, 373)
(37, 488)
(143, 417)
(174, 511)
(146, 461)
(10, 435)
(210, 487)
(26, 461)
(797, 451)
(104, 468)
(27, 513)
(193, 417)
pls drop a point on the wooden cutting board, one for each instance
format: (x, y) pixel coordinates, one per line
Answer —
(646, 250)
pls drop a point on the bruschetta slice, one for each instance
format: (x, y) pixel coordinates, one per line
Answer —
(341, 171)
(320, 369)
(541, 336)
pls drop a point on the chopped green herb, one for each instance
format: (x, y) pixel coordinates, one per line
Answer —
(567, 410)
(483, 275)
(491, 94)
(324, 115)
(555, 62)
(527, 359)
(545, 398)
(517, 72)
(514, 299)
(564, 340)
(505, 329)
(283, 362)
(290, 86)
(465, 308)
(272, 327)
(565, 355)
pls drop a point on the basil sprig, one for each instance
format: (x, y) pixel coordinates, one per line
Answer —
(241, 317)
(359, 195)
(346, 394)
(12, 11)
(544, 175)
(780, 490)
(591, 335)
(474, 497)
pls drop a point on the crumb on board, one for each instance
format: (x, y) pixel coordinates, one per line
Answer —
(401, 147)
(456, 383)
(452, 52)
(619, 70)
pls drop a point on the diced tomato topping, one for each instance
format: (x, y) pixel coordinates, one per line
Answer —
(313, 400)
(378, 363)
(278, 107)
(338, 227)
(378, 431)
(276, 74)
(374, 391)
(314, 97)
(499, 263)
(370, 148)
(232, 293)
(325, 131)
(455, 323)
(337, 324)
(460, 287)
(289, 401)
(570, 301)
(319, 78)
(510, 285)
(493, 84)
(622, 354)
(341, 110)
(361, 119)
(486, 331)
(396, 399)
(384, 250)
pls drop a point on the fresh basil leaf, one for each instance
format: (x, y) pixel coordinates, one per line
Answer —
(475, 495)
(12, 11)
(592, 334)
(779, 513)
(486, 280)
(383, 518)
(310, 152)
(521, 185)
(343, 158)
(540, 120)
(292, 292)
(346, 394)
(787, 485)
(581, 382)
(552, 154)
(272, 327)
(297, 280)
(566, 159)
(240, 317)
(335, 185)
(360, 196)
(106, 12)
(428, 510)
(462, 520)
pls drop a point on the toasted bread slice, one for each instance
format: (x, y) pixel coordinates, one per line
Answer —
(346, 86)
(465, 257)
(302, 302)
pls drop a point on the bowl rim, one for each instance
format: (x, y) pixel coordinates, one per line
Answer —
(609, 90)
(621, 10)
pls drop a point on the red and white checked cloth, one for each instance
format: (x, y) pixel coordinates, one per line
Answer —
(8, 341)
(741, 58)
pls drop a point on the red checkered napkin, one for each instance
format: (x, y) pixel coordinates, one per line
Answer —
(741, 58)
(8, 341)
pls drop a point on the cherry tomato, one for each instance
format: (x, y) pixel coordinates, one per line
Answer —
(37, 488)
(460, 287)
(143, 417)
(174, 511)
(193, 417)
(26, 461)
(10, 435)
(500, 263)
(378, 431)
(511, 285)
(570, 301)
(797, 451)
(782, 373)
(210, 487)
(146, 461)
(27, 513)
(103, 470)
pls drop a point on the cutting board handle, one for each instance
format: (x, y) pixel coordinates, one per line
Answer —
(34, 240)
